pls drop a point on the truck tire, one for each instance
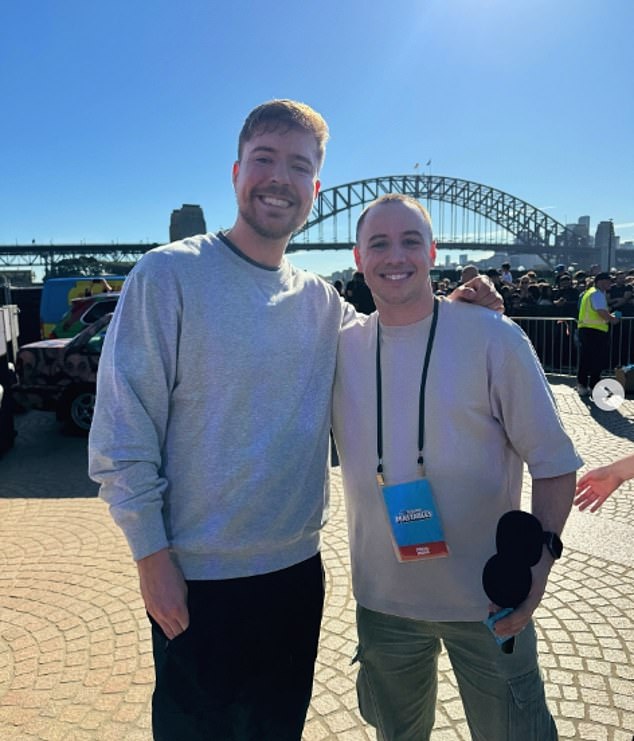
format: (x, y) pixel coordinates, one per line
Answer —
(77, 407)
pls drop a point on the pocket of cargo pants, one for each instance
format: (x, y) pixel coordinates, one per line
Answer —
(529, 717)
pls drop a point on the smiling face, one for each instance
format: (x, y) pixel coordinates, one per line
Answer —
(275, 183)
(395, 252)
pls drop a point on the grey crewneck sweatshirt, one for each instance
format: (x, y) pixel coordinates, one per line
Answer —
(210, 432)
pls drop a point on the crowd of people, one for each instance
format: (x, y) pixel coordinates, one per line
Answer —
(522, 291)
(563, 289)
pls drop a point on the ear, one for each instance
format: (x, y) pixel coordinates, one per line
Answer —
(317, 187)
(357, 258)
(234, 172)
(432, 252)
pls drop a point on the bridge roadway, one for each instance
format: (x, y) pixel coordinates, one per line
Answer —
(75, 657)
(25, 256)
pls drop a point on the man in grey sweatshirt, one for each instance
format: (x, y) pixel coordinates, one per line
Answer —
(210, 440)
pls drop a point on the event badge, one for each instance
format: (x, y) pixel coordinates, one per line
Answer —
(414, 520)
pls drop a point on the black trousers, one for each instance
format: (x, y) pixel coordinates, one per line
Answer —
(243, 670)
(594, 350)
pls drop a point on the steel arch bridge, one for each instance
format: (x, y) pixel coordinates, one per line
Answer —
(511, 224)
(530, 228)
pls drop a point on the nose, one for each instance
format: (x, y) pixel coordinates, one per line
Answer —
(280, 172)
(395, 254)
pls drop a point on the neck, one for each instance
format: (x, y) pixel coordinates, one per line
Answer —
(267, 252)
(395, 315)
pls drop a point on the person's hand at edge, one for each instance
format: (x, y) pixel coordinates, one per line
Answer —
(595, 486)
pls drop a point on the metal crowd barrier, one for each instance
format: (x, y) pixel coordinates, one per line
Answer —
(555, 342)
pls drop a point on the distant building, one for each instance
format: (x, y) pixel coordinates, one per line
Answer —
(576, 235)
(584, 224)
(187, 222)
(16, 277)
(604, 234)
(605, 240)
(580, 230)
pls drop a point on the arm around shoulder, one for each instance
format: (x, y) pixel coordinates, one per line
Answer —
(481, 291)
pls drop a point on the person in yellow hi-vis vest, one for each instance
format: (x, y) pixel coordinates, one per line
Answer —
(594, 324)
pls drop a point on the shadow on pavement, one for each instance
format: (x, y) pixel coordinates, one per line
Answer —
(45, 461)
(614, 421)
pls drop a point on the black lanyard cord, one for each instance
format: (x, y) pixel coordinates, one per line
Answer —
(421, 399)
(379, 402)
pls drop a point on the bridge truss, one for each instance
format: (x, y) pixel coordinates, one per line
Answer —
(479, 216)
(33, 255)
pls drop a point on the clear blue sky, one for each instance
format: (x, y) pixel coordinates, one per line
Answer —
(115, 112)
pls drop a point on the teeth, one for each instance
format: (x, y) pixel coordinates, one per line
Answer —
(279, 203)
(395, 276)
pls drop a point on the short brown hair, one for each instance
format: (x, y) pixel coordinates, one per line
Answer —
(396, 198)
(285, 114)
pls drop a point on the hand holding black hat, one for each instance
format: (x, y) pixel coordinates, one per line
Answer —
(507, 577)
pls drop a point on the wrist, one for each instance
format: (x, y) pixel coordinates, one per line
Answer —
(154, 560)
(619, 474)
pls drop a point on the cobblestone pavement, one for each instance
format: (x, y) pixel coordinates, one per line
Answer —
(75, 658)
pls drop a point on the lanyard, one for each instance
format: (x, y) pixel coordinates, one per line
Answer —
(421, 400)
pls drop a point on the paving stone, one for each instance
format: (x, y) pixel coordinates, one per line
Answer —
(75, 649)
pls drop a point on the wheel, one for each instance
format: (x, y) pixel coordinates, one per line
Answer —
(80, 405)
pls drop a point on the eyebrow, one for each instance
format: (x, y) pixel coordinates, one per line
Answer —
(409, 232)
